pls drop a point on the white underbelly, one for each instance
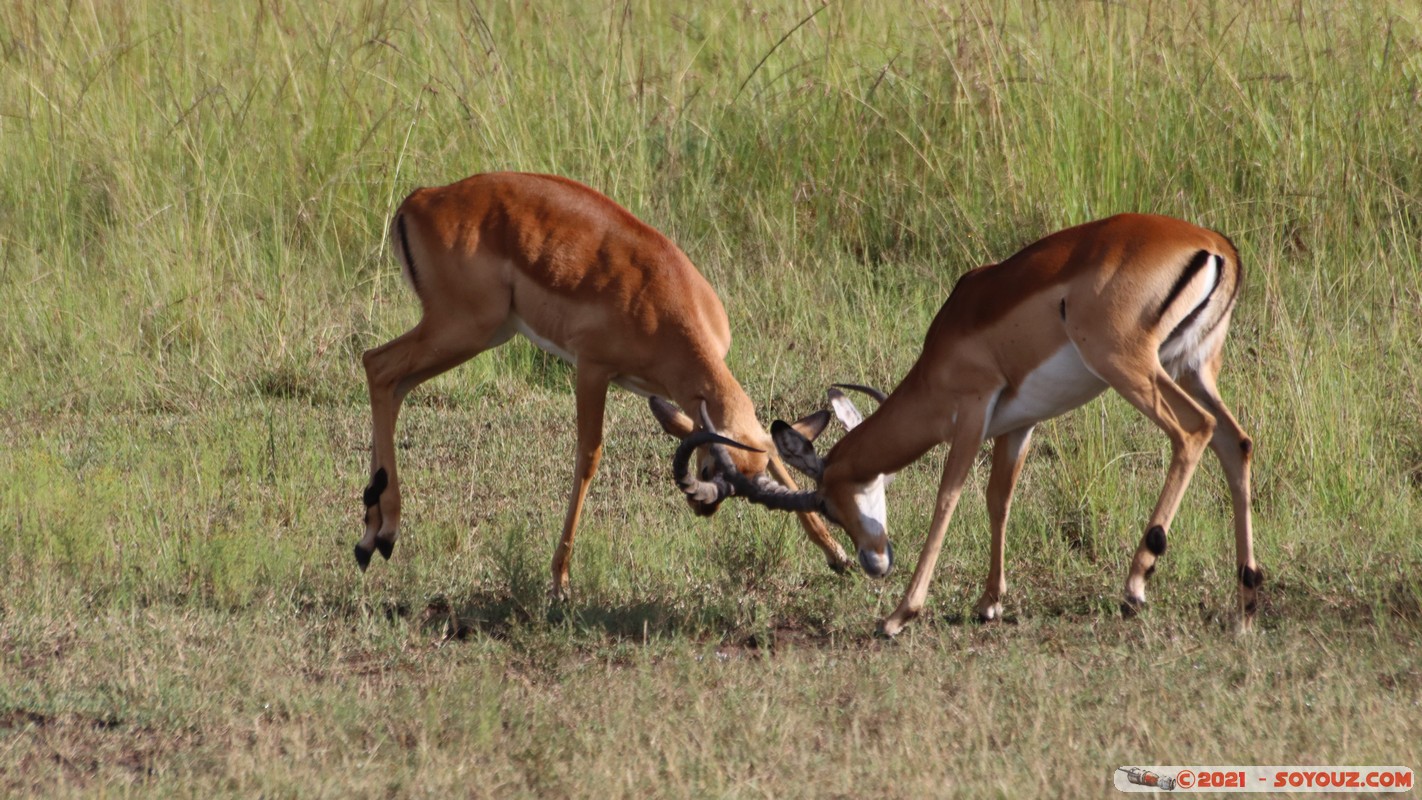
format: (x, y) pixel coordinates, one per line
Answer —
(1055, 387)
(638, 386)
(631, 383)
(544, 343)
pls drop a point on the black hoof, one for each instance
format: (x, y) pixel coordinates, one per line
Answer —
(1131, 607)
(839, 567)
(385, 546)
(362, 557)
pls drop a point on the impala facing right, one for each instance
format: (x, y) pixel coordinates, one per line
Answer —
(1135, 302)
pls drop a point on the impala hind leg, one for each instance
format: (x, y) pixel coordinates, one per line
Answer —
(591, 393)
(391, 371)
(1146, 386)
(1234, 449)
(1009, 452)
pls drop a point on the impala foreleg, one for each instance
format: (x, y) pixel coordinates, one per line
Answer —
(814, 526)
(591, 397)
(1009, 452)
(966, 440)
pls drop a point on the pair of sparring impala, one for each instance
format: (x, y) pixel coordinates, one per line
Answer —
(1138, 303)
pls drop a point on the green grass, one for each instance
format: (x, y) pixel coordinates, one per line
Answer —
(192, 209)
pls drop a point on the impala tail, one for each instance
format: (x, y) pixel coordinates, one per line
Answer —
(1196, 310)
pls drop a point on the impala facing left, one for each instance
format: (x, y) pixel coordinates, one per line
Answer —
(1135, 302)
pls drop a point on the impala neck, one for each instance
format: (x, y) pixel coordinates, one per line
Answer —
(899, 432)
(731, 411)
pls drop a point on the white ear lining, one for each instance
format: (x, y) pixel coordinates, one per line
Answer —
(850, 417)
(844, 409)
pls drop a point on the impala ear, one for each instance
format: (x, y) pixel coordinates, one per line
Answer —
(671, 418)
(797, 450)
(844, 408)
(811, 426)
(849, 414)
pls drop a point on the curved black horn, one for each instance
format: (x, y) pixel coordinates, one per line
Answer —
(712, 491)
(762, 490)
(706, 421)
(869, 390)
(777, 497)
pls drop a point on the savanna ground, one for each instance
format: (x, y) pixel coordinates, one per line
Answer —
(192, 206)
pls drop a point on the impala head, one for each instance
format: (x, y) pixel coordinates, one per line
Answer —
(701, 473)
(853, 503)
(858, 507)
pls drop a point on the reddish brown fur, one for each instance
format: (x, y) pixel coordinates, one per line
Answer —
(615, 296)
(1098, 290)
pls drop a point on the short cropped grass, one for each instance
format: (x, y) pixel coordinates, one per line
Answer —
(193, 200)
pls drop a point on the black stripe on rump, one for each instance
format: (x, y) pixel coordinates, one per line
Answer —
(405, 247)
(1228, 304)
(1197, 263)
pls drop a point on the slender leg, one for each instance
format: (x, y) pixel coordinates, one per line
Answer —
(966, 440)
(591, 393)
(1234, 449)
(1147, 387)
(392, 370)
(813, 525)
(1009, 452)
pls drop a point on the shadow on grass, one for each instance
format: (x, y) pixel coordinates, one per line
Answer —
(581, 625)
(498, 616)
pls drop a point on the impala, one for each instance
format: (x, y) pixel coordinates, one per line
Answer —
(583, 279)
(1138, 303)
